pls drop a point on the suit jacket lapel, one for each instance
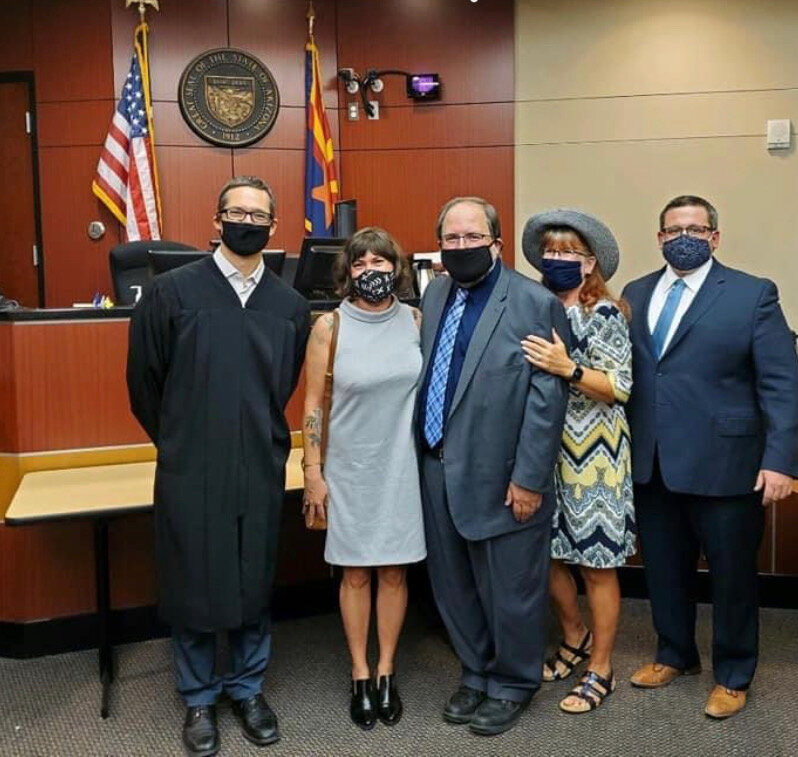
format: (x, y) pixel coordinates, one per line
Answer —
(709, 292)
(494, 308)
(642, 317)
(433, 310)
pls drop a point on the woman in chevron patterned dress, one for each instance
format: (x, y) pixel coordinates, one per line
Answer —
(593, 526)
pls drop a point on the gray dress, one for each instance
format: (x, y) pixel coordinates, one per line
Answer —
(371, 470)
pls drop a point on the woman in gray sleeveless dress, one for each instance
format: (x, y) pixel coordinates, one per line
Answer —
(369, 488)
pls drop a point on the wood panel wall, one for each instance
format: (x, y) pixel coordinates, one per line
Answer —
(404, 166)
(400, 168)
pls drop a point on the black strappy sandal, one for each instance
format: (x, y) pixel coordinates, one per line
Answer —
(578, 655)
(587, 691)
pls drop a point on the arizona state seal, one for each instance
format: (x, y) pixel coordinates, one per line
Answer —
(228, 97)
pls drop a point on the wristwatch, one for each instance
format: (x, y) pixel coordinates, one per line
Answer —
(576, 376)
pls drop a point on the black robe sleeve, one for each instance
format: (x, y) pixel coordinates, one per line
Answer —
(149, 354)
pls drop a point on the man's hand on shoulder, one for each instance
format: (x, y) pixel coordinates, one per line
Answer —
(774, 486)
(525, 503)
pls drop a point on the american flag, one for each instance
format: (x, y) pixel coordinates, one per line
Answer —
(127, 180)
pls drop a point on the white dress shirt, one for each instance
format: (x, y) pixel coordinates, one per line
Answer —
(693, 282)
(243, 286)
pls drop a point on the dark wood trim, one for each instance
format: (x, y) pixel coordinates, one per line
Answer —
(39, 638)
(27, 77)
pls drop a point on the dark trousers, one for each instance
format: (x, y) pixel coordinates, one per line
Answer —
(195, 663)
(673, 530)
(492, 595)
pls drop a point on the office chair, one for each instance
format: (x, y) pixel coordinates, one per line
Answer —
(129, 267)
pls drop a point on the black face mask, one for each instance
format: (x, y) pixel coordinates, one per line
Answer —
(467, 265)
(244, 238)
(374, 286)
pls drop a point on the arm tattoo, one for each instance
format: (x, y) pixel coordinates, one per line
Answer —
(313, 427)
(320, 336)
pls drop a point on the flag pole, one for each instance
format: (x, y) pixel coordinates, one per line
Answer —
(142, 47)
(311, 16)
(142, 6)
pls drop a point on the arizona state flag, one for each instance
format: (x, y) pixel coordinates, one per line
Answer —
(321, 183)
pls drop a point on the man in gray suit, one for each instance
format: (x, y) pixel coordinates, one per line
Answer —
(490, 428)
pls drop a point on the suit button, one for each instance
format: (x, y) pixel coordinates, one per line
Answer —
(659, 373)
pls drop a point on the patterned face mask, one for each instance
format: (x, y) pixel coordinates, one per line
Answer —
(374, 286)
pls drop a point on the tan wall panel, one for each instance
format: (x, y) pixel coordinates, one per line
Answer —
(687, 116)
(574, 48)
(627, 183)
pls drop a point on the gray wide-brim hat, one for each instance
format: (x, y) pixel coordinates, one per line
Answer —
(599, 238)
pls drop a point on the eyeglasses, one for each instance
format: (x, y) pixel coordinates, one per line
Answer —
(671, 232)
(556, 254)
(471, 239)
(258, 217)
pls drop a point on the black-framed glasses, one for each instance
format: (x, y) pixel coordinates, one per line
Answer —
(671, 232)
(237, 215)
(471, 239)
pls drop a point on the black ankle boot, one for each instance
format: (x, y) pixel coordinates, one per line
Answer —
(363, 707)
(389, 704)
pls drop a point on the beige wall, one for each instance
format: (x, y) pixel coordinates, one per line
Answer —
(622, 104)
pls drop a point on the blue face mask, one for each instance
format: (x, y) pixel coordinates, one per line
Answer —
(686, 253)
(561, 275)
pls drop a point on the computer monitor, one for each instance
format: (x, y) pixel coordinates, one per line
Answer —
(314, 273)
(160, 261)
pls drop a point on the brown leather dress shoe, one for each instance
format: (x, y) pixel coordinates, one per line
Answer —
(653, 675)
(724, 703)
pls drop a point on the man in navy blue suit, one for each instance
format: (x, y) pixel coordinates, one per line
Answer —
(714, 423)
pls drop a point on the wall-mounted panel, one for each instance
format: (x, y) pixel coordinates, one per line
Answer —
(46, 571)
(190, 182)
(572, 48)
(288, 131)
(402, 127)
(285, 172)
(627, 183)
(179, 32)
(696, 115)
(75, 266)
(469, 44)
(8, 389)
(275, 31)
(70, 386)
(403, 190)
(74, 124)
(72, 50)
(16, 37)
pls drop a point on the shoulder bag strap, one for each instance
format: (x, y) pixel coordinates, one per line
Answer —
(326, 405)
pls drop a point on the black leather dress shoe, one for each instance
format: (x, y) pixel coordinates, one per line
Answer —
(462, 705)
(258, 722)
(363, 707)
(200, 734)
(389, 704)
(496, 716)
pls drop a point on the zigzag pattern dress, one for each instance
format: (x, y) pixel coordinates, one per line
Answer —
(594, 524)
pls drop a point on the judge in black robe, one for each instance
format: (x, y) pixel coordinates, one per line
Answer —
(209, 379)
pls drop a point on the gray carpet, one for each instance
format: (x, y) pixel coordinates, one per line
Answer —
(49, 706)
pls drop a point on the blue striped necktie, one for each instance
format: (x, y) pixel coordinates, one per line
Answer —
(436, 392)
(666, 316)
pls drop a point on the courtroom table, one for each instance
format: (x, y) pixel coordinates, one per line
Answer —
(101, 493)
